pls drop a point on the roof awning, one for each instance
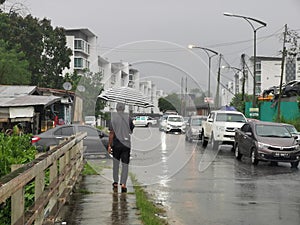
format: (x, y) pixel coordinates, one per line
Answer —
(30, 100)
(21, 112)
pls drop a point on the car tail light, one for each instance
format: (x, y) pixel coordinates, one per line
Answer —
(35, 139)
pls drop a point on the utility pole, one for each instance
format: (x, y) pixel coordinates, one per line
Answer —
(282, 70)
(218, 83)
(244, 77)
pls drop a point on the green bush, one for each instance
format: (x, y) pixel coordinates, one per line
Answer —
(15, 149)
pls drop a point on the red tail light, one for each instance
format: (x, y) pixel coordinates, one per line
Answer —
(35, 139)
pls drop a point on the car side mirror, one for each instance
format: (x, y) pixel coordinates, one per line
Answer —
(210, 120)
(295, 136)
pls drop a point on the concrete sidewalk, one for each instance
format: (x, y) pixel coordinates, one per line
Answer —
(95, 202)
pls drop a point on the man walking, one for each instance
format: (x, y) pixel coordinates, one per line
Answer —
(119, 145)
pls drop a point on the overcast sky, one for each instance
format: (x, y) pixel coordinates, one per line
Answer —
(153, 35)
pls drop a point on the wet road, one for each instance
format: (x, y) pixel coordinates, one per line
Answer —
(202, 186)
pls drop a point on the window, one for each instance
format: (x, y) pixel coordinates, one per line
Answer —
(64, 131)
(258, 66)
(196, 122)
(90, 131)
(228, 117)
(79, 44)
(246, 128)
(82, 45)
(78, 62)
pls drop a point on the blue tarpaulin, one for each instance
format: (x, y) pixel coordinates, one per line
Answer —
(228, 108)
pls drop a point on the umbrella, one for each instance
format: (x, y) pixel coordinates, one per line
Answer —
(127, 95)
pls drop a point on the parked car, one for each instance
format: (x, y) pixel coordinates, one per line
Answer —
(292, 129)
(90, 120)
(174, 123)
(145, 121)
(266, 141)
(194, 128)
(292, 88)
(96, 141)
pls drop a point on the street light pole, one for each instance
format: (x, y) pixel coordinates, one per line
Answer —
(263, 24)
(207, 51)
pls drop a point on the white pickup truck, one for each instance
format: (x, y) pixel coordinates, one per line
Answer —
(219, 128)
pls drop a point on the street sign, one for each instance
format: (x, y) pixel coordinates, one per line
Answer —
(209, 100)
(254, 112)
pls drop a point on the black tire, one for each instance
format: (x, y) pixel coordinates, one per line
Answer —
(253, 157)
(204, 141)
(295, 164)
(215, 144)
(237, 153)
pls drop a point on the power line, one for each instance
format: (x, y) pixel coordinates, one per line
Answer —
(168, 50)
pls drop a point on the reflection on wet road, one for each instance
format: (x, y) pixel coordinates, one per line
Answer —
(119, 214)
(199, 188)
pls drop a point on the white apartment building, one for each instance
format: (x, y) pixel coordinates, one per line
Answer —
(122, 74)
(84, 46)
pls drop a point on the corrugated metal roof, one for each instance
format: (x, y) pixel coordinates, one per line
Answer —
(29, 100)
(16, 90)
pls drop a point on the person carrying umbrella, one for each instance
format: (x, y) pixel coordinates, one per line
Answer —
(119, 145)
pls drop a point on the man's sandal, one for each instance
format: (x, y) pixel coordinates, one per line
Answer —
(115, 186)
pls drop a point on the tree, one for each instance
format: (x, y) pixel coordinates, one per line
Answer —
(170, 102)
(238, 103)
(90, 87)
(13, 66)
(44, 47)
(56, 55)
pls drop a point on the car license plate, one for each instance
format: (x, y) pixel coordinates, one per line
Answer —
(286, 155)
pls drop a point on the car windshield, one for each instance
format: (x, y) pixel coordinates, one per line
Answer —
(196, 122)
(272, 131)
(230, 117)
(175, 119)
(291, 129)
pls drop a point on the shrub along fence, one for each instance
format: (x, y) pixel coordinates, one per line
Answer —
(54, 175)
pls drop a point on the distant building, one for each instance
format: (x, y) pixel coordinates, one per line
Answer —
(84, 46)
(268, 73)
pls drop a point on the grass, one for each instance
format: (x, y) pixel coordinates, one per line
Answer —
(148, 210)
(88, 170)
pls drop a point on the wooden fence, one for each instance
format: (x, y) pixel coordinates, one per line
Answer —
(54, 174)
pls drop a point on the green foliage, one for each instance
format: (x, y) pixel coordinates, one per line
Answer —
(199, 99)
(238, 103)
(88, 170)
(170, 102)
(147, 208)
(13, 66)
(15, 150)
(44, 47)
(93, 87)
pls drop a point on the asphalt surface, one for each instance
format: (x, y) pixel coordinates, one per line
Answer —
(96, 203)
